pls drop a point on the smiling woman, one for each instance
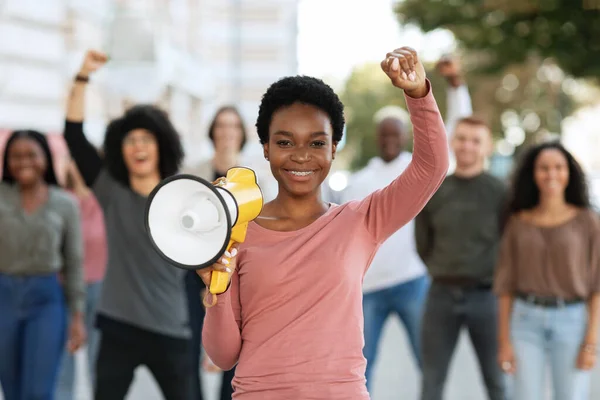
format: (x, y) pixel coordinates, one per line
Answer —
(142, 312)
(41, 238)
(300, 123)
(548, 277)
(291, 318)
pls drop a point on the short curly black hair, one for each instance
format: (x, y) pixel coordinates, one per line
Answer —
(300, 89)
(155, 121)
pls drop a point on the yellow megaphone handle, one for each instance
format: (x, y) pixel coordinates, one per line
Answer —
(219, 280)
(218, 284)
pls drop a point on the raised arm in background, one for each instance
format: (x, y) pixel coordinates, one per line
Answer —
(458, 99)
(83, 152)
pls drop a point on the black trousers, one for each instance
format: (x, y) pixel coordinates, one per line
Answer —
(194, 287)
(447, 311)
(168, 359)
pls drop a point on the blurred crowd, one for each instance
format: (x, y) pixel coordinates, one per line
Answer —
(516, 263)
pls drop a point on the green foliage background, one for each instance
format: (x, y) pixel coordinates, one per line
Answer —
(507, 32)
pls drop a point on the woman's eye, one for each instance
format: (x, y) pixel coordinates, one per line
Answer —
(284, 143)
(319, 144)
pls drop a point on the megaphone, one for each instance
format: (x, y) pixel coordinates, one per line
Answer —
(192, 222)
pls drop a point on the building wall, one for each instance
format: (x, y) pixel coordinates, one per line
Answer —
(212, 52)
(32, 51)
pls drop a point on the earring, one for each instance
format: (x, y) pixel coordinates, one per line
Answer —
(267, 158)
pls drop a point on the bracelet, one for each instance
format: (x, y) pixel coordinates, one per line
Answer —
(81, 78)
(589, 348)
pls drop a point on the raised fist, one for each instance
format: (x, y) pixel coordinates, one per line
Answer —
(449, 68)
(92, 61)
(405, 71)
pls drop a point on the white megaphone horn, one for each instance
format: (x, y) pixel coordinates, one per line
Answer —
(192, 222)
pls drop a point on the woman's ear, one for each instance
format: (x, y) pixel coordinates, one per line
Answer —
(266, 151)
(333, 150)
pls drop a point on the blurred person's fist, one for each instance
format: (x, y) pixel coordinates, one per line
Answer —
(449, 67)
(506, 358)
(405, 71)
(92, 61)
(586, 359)
(77, 334)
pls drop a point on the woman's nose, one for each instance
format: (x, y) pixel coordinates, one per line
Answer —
(301, 155)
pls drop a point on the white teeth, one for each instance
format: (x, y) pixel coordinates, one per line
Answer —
(301, 173)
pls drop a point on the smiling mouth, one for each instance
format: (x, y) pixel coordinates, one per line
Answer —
(140, 157)
(299, 173)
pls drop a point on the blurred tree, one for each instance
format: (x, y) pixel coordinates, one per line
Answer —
(507, 32)
(366, 91)
(523, 103)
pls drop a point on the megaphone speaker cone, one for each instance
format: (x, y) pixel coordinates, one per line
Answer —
(188, 221)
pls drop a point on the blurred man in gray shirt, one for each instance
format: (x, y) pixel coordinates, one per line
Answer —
(457, 236)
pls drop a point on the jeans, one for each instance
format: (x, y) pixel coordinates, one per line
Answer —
(66, 378)
(32, 335)
(447, 310)
(543, 338)
(407, 301)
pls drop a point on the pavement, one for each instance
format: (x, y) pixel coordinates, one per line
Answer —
(395, 375)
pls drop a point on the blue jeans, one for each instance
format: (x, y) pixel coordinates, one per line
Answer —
(66, 378)
(448, 310)
(32, 335)
(545, 337)
(406, 300)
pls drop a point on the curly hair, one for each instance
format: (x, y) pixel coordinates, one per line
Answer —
(155, 121)
(300, 89)
(525, 193)
(211, 129)
(40, 139)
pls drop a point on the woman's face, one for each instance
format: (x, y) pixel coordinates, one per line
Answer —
(300, 148)
(551, 172)
(227, 132)
(27, 162)
(140, 153)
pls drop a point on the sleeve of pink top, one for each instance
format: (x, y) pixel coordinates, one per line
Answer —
(221, 334)
(388, 209)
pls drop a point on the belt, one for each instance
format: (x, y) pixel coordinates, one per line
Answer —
(547, 301)
(462, 282)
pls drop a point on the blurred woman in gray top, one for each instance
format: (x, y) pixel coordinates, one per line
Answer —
(142, 313)
(41, 237)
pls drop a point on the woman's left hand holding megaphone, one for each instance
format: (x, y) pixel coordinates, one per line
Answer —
(227, 263)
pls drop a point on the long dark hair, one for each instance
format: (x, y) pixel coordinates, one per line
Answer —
(211, 129)
(39, 138)
(525, 194)
(155, 121)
